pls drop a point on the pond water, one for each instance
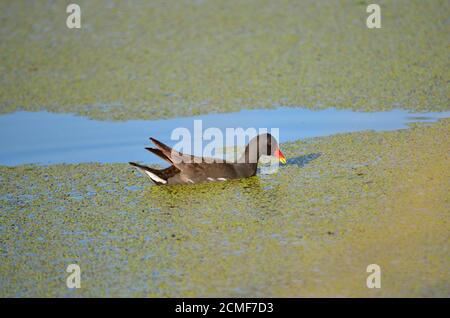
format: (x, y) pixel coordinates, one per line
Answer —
(49, 138)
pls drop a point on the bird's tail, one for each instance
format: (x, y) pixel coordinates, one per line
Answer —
(153, 174)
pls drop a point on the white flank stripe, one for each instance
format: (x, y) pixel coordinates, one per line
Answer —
(222, 179)
(155, 177)
(210, 179)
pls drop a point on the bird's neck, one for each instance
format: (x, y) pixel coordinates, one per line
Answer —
(250, 157)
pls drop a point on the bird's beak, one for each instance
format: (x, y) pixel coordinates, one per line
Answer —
(280, 156)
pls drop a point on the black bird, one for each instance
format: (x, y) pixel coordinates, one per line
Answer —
(188, 169)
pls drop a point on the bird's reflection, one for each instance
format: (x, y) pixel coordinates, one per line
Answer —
(302, 161)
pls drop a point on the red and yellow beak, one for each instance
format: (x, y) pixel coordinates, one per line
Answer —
(280, 156)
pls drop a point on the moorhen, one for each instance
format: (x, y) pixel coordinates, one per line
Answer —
(188, 169)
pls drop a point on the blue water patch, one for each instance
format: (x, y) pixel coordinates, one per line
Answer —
(50, 138)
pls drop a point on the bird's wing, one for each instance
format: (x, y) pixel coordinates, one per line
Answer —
(178, 159)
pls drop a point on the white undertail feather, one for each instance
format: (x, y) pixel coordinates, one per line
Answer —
(154, 177)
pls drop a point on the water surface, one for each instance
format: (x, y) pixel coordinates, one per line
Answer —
(51, 138)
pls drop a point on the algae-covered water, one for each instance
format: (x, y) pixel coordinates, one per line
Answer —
(153, 59)
(342, 202)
